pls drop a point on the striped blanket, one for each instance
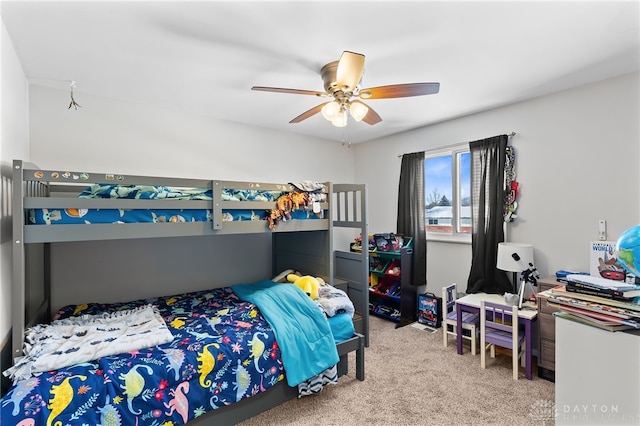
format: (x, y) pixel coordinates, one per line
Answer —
(87, 337)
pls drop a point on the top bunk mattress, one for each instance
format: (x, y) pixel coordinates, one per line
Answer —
(74, 215)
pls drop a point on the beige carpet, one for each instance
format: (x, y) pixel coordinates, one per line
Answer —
(411, 379)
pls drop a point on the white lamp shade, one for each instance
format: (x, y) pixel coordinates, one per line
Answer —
(358, 110)
(330, 110)
(506, 261)
(340, 119)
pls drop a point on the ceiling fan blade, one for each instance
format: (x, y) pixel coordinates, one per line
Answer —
(400, 90)
(313, 111)
(371, 117)
(349, 71)
(292, 91)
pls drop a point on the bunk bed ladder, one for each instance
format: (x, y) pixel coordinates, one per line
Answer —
(350, 211)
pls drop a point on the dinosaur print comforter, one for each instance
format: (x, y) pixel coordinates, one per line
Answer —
(223, 351)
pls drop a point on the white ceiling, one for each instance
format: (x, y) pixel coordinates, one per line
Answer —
(203, 57)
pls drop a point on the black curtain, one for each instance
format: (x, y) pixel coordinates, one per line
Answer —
(488, 158)
(411, 211)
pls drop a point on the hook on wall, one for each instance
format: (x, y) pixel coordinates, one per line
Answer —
(73, 101)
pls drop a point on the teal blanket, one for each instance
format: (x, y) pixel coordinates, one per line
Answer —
(302, 331)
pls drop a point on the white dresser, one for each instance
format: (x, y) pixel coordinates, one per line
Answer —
(597, 375)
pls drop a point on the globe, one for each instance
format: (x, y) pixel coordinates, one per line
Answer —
(628, 247)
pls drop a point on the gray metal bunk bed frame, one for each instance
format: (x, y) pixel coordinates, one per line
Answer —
(304, 245)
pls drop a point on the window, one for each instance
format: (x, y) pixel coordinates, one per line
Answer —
(447, 175)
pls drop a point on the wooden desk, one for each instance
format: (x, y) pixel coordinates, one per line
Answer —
(471, 303)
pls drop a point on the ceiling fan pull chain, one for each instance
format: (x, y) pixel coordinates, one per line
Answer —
(345, 137)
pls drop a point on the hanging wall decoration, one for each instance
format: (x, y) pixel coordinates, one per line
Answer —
(511, 186)
(73, 101)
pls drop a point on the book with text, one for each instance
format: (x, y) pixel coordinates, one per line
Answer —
(600, 317)
(594, 306)
(587, 281)
(603, 261)
(562, 291)
(624, 296)
(589, 321)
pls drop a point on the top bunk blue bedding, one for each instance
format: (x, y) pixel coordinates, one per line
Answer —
(55, 216)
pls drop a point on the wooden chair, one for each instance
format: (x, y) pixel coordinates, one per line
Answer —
(470, 321)
(499, 327)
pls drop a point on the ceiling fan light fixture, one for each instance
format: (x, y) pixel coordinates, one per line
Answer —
(358, 110)
(331, 110)
(341, 119)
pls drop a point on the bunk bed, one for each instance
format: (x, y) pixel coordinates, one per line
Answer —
(58, 211)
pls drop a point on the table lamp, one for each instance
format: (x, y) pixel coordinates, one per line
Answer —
(508, 262)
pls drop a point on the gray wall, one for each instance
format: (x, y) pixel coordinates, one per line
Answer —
(130, 138)
(577, 156)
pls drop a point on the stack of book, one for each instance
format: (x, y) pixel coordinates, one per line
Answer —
(600, 302)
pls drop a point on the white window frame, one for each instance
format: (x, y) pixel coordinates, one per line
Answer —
(454, 236)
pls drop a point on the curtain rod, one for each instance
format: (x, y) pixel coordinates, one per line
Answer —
(512, 134)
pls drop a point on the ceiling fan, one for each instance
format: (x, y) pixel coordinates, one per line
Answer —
(342, 83)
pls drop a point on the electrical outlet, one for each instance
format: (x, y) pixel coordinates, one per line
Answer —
(602, 229)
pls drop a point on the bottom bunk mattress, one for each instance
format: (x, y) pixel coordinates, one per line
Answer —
(223, 350)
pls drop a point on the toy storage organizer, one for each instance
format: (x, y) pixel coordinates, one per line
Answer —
(391, 293)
